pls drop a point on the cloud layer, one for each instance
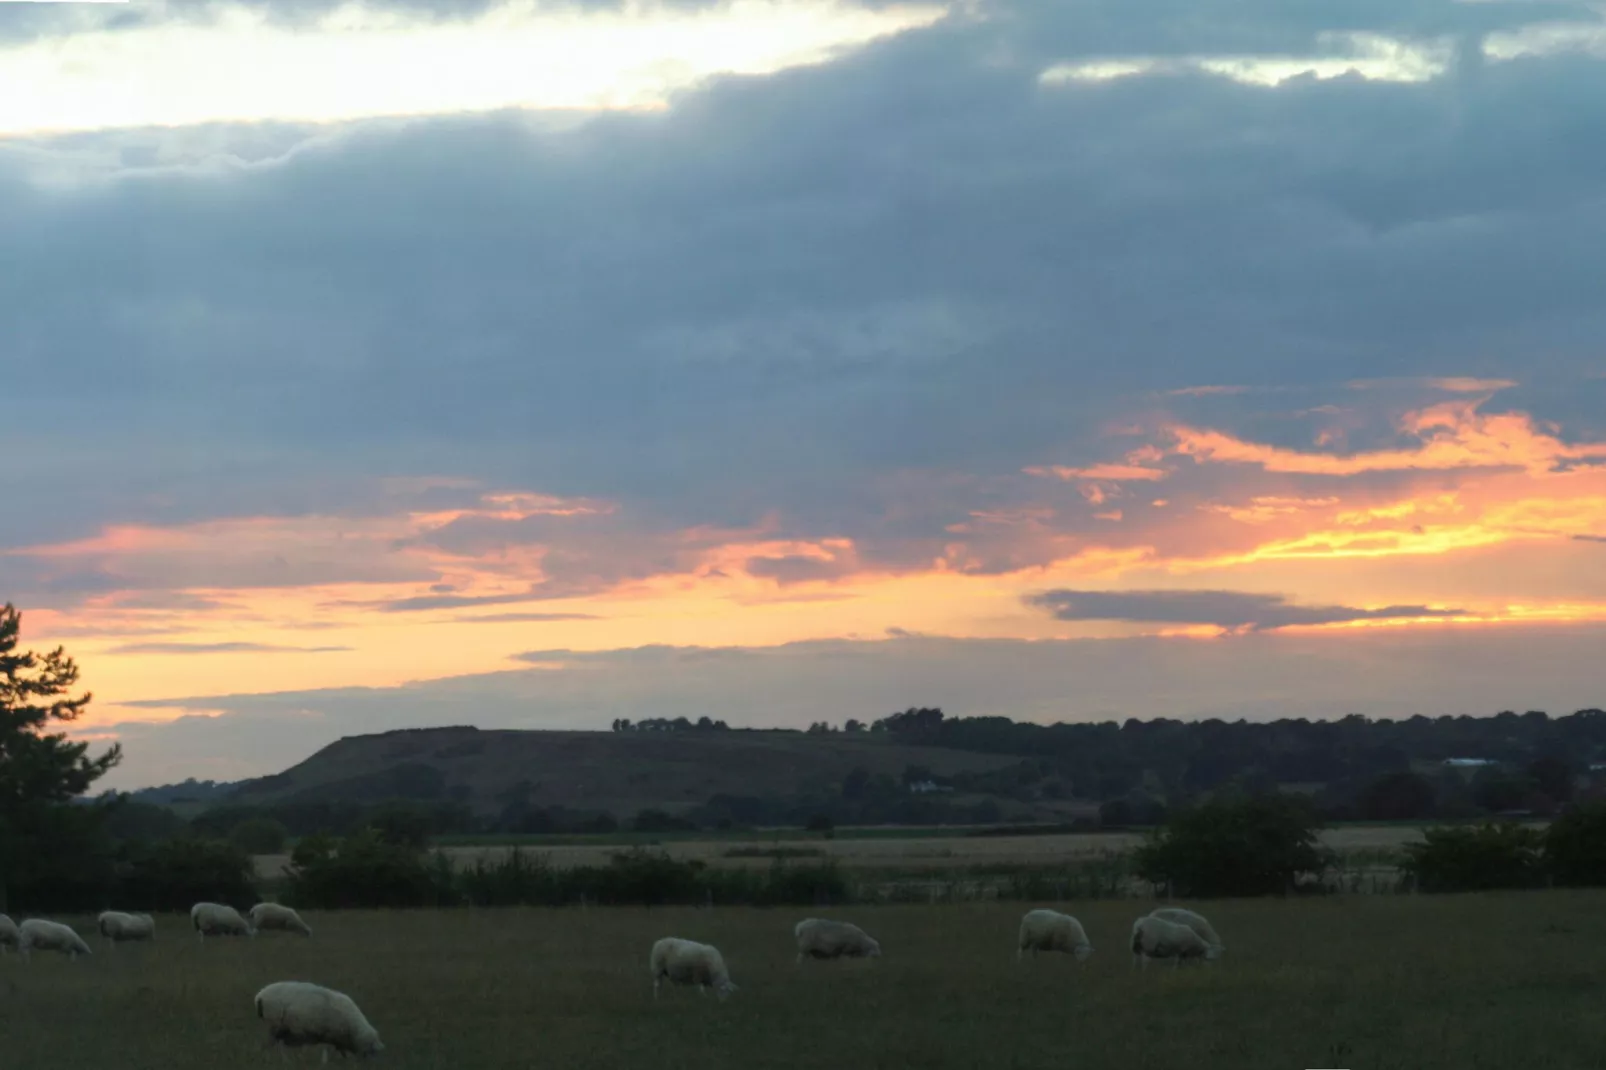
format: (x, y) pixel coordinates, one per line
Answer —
(1031, 322)
(1227, 609)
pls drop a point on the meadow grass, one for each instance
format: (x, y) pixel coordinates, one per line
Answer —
(1410, 982)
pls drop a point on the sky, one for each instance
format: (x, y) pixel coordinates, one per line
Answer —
(532, 365)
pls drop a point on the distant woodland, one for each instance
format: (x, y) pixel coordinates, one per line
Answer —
(1084, 775)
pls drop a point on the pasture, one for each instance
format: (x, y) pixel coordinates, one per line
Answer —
(1412, 982)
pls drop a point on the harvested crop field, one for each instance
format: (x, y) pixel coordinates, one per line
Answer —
(892, 853)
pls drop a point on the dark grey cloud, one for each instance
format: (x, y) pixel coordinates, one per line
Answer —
(1432, 671)
(427, 602)
(1590, 538)
(1229, 609)
(221, 648)
(817, 295)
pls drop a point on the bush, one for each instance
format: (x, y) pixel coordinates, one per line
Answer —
(1467, 858)
(259, 836)
(1575, 845)
(645, 878)
(63, 860)
(364, 871)
(180, 873)
(1234, 847)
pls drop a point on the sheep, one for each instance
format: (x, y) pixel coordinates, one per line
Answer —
(1049, 930)
(1196, 922)
(37, 934)
(8, 933)
(822, 939)
(300, 1013)
(215, 919)
(1157, 938)
(686, 962)
(269, 916)
(116, 926)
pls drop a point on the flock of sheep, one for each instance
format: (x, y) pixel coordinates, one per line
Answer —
(1167, 933)
(297, 1012)
(300, 1013)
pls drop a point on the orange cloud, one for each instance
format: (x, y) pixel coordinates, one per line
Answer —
(1454, 435)
(387, 593)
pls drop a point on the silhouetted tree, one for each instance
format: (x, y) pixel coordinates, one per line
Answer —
(40, 770)
(1234, 847)
(1575, 845)
(1468, 858)
(855, 783)
(1553, 776)
(1396, 797)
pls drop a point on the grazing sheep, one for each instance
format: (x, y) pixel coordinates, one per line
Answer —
(821, 939)
(269, 916)
(300, 1013)
(1049, 930)
(1196, 922)
(215, 919)
(1156, 938)
(37, 934)
(116, 926)
(8, 933)
(686, 962)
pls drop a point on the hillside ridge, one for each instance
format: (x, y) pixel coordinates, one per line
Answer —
(616, 772)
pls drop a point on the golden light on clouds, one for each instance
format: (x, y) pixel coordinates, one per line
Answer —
(255, 604)
(361, 62)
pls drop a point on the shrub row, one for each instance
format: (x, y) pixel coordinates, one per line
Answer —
(1465, 858)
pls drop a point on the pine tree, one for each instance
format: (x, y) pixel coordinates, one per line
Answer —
(40, 770)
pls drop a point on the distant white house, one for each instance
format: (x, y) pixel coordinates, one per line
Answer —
(924, 787)
(1468, 763)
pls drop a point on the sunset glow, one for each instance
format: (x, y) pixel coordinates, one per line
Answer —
(538, 364)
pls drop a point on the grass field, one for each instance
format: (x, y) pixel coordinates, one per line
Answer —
(1410, 982)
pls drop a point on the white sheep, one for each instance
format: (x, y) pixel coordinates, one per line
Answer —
(1156, 938)
(215, 919)
(1049, 930)
(686, 962)
(37, 934)
(822, 939)
(300, 1013)
(8, 933)
(1196, 922)
(116, 926)
(269, 916)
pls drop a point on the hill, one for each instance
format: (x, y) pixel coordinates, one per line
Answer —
(615, 772)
